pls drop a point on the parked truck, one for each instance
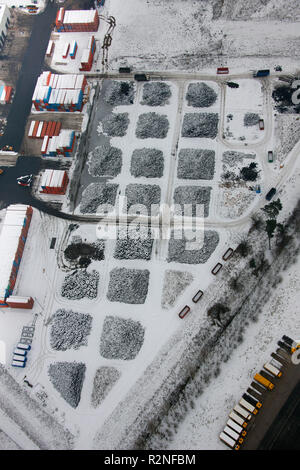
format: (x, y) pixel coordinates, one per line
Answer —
(263, 381)
(272, 369)
(141, 77)
(238, 419)
(241, 411)
(261, 73)
(233, 434)
(248, 406)
(229, 441)
(293, 344)
(252, 400)
(236, 427)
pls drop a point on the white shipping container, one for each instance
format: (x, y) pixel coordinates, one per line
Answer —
(246, 405)
(235, 417)
(236, 427)
(39, 130)
(27, 347)
(240, 410)
(227, 440)
(30, 132)
(231, 433)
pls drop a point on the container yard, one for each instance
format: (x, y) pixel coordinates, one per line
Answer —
(55, 92)
(77, 21)
(12, 242)
(54, 182)
(61, 145)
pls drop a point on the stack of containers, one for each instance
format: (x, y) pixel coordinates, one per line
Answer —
(14, 301)
(5, 94)
(88, 55)
(55, 92)
(76, 20)
(54, 182)
(40, 129)
(66, 50)
(12, 242)
(50, 48)
(59, 145)
(73, 49)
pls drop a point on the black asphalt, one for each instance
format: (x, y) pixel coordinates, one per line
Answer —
(32, 66)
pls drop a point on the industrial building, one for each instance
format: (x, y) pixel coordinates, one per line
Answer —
(4, 22)
(13, 237)
(76, 20)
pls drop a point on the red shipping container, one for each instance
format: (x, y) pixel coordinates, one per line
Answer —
(48, 128)
(35, 128)
(57, 129)
(44, 129)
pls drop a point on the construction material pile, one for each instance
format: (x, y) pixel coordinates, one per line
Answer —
(128, 285)
(121, 338)
(105, 160)
(67, 378)
(104, 380)
(147, 163)
(152, 125)
(115, 125)
(200, 95)
(69, 329)
(179, 253)
(119, 93)
(156, 94)
(196, 164)
(80, 284)
(98, 194)
(200, 125)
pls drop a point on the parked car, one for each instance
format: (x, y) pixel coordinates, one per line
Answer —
(261, 124)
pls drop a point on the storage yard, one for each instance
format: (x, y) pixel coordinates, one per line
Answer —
(135, 329)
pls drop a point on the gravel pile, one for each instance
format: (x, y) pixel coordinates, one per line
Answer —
(105, 160)
(156, 94)
(128, 285)
(148, 163)
(69, 329)
(143, 194)
(192, 195)
(196, 164)
(121, 338)
(175, 283)
(96, 194)
(152, 125)
(179, 253)
(133, 247)
(200, 95)
(80, 284)
(200, 125)
(115, 125)
(232, 158)
(251, 119)
(104, 381)
(119, 93)
(67, 378)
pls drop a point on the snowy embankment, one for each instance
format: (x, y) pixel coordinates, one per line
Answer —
(193, 356)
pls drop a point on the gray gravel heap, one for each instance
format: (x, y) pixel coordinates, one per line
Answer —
(105, 160)
(200, 125)
(121, 338)
(200, 95)
(196, 164)
(80, 284)
(148, 163)
(67, 378)
(152, 125)
(179, 253)
(69, 329)
(251, 119)
(96, 194)
(232, 158)
(192, 195)
(104, 380)
(145, 194)
(175, 283)
(133, 247)
(115, 125)
(156, 94)
(119, 93)
(128, 285)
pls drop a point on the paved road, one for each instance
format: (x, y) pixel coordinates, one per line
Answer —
(31, 68)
